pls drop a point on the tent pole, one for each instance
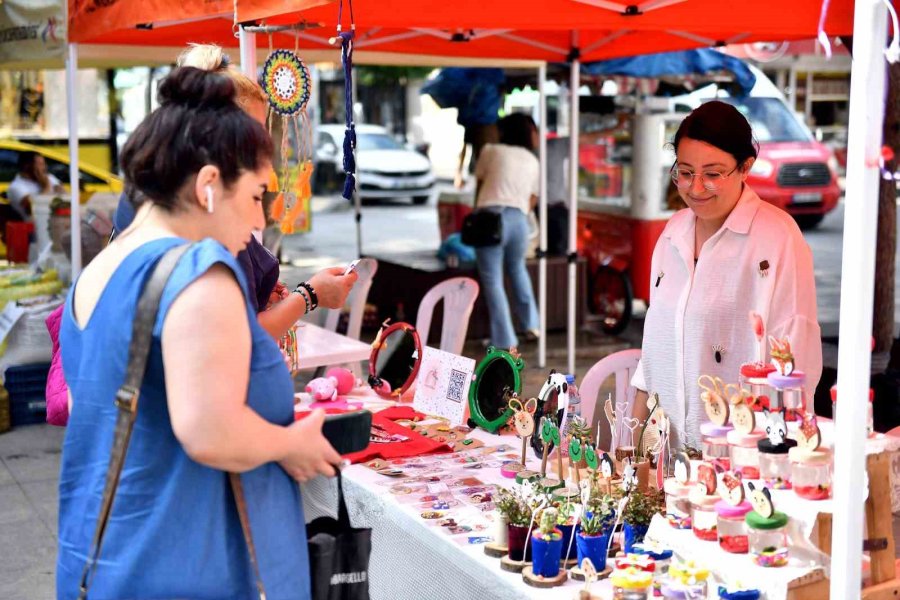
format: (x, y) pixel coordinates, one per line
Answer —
(574, 84)
(248, 52)
(867, 86)
(542, 217)
(72, 112)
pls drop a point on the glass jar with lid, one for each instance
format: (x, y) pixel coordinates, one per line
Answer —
(775, 464)
(678, 503)
(686, 581)
(715, 445)
(662, 557)
(811, 473)
(745, 453)
(738, 592)
(789, 391)
(732, 528)
(631, 584)
(768, 539)
(754, 379)
(704, 520)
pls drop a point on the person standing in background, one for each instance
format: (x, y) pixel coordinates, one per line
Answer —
(508, 182)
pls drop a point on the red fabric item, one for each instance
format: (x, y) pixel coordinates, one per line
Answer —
(57, 391)
(415, 445)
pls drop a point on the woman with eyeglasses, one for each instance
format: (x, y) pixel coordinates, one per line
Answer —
(727, 254)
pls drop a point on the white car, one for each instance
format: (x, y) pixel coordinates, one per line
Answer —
(385, 168)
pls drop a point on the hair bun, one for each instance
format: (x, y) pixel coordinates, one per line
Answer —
(196, 88)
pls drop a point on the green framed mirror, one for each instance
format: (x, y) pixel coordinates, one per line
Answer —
(497, 372)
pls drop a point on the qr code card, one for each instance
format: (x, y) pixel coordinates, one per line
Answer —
(442, 388)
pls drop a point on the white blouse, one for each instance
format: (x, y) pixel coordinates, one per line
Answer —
(758, 261)
(509, 176)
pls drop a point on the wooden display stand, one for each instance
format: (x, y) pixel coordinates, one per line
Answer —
(884, 583)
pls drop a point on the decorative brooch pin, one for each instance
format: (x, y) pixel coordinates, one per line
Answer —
(764, 268)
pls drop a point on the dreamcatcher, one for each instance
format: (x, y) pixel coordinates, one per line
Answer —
(286, 82)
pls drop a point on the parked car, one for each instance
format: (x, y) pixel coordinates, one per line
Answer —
(385, 167)
(92, 180)
(793, 170)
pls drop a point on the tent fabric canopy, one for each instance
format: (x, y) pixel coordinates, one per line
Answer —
(702, 61)
(704, 17)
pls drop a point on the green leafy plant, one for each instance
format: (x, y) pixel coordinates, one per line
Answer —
(642, 505)
(565, 512)
(598, 515)
(515, 505)
(580, 428)
(547, 530)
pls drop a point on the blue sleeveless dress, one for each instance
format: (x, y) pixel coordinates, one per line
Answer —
(174, 530)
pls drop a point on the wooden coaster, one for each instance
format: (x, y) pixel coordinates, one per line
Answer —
(543, 582)
(566, 493)
(578, 575)
(550, 484)
(496, 550)
(513, 566)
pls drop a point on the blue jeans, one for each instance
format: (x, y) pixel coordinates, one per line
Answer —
(508, 256)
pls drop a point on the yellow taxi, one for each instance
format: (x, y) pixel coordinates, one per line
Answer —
(93, 180)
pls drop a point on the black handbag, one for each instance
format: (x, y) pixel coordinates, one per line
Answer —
(338, 555)
(482, 228)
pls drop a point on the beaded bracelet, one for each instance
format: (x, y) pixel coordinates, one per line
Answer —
(312, 294)
(301, 291)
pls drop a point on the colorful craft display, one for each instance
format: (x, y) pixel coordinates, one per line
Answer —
(713, 397)
(768, 545)
(745, 453)
(287, 84)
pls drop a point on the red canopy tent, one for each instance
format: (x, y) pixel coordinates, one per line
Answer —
(549, 30)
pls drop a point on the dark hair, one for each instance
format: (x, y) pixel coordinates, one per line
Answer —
(721, 125)
(516, 130)
(196, 124)
(26, 159)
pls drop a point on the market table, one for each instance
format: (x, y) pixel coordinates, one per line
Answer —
(319, 347)
(413, 558)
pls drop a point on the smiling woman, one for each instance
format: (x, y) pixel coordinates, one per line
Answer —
(707, 274)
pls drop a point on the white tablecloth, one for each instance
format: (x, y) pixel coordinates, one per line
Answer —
(413, 559)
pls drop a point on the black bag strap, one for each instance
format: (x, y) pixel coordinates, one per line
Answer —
(127, 402)
(343, 515)
(127, 397)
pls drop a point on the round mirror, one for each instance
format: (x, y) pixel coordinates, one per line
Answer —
(497, 376)
(395, 360)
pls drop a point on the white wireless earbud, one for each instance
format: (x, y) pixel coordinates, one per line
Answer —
(209, 199)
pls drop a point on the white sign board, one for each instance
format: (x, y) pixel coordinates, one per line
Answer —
(442, 386)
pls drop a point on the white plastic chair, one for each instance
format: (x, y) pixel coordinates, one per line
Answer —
(458, 294)
(366, 269)
(621, 364)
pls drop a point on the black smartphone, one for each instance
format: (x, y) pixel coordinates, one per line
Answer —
(348, 432)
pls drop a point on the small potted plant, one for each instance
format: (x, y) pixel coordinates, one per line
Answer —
(514, 507)
(592, 539)
(639, 511)
(565, 522)
(547, 544)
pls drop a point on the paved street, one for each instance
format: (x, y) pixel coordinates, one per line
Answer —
(29, 456)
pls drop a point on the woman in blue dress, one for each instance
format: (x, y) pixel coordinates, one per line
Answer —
(216, 396)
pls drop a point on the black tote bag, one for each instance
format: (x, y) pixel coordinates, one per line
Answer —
(338, 555)
(482, 228)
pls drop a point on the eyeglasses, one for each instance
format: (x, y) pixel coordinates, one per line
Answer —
(711, 180)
